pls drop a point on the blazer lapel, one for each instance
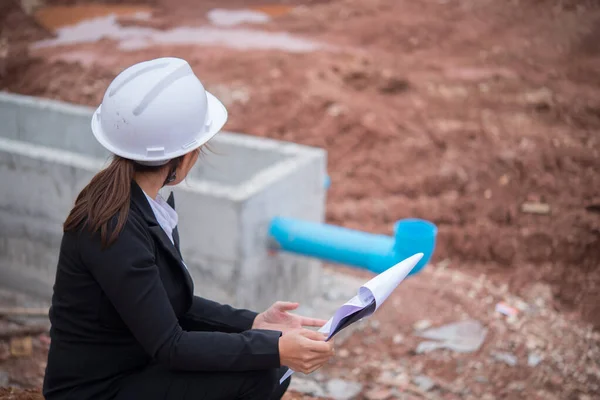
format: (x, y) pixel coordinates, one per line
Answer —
(139, 199)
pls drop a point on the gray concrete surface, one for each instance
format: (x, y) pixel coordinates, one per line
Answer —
(48, 154)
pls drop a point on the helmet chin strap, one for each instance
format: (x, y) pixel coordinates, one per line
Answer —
(171, 176)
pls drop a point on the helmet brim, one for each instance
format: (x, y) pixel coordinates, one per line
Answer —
(217, 113)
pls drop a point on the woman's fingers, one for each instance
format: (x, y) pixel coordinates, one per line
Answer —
(285, 306)
(317, 343)
(312, 335)
(312, 322)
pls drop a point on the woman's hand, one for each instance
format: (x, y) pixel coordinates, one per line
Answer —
(304, 350)
(277, 318)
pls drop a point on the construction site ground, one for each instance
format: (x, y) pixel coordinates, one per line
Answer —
(482, 116)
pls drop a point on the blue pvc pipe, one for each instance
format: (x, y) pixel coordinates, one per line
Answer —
(347, 246)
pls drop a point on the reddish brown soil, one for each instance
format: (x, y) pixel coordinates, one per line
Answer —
(457, 112)
(20, 394)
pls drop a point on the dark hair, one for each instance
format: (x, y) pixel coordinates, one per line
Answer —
(108, 195)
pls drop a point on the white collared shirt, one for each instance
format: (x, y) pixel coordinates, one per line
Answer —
(165, 214)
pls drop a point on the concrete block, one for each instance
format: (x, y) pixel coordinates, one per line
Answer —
(48, 154)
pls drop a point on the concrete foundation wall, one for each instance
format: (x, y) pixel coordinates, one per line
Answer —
(48, 154)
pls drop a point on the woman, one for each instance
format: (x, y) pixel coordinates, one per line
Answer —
(125, 322)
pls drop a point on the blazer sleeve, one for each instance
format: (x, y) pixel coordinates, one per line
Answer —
(207, 315)
(127, 273)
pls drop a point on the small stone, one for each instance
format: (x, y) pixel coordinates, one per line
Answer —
(541, 98)
(394, 85)
(307, 386)
(340, 389)
(422, 325)
(398, 338)
(481, 379)
(359, 350)
(533, 342)
(319, 376)
(388, 378)
(375, 325)
(343, 353)
(335, 110)
(487, 194)
(21, 347)
(516, 386)
(521, 305)
(533, 359)
(535, 208)
(423, 382)
(378, 394)
(507, 358)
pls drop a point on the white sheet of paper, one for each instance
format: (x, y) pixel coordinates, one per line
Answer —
(378, 288)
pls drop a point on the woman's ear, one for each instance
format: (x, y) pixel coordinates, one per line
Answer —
(188, 162)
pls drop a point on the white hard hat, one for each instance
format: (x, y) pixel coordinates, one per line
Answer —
(155, 111)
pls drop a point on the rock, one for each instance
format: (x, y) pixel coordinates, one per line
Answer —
(375, 325)
(335, 110)
(533, 342)
(534, 359)
(4, 379)
(516, 386)
(343, 353)
(340, 389)
(422, 325)
(378, 394)
(481, 379)
(507, 358)
(21, 347)
(393, 85)
(307, 386)
(398, 338)
(504, 180)
(396, 380)
(463, 337)
(541, 99)
(318, 376)
(474, 74)
(423, 382)
(535, 208)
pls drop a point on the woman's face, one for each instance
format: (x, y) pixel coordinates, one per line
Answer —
(184, 168)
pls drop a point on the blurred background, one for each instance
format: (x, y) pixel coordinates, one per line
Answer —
(482, 116)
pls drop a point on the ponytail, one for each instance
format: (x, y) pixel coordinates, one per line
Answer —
(107, 195)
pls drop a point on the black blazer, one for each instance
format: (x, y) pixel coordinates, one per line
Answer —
(117, 310)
